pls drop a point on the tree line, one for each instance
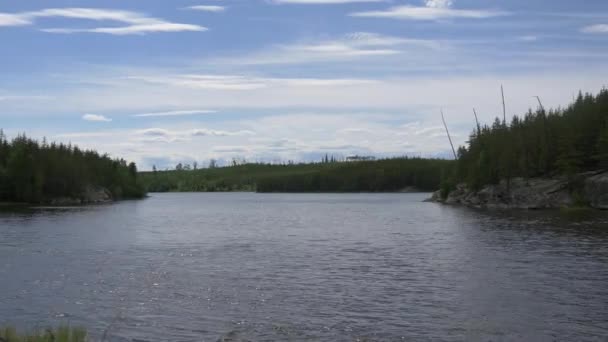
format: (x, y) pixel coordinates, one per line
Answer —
(385, 175)
(36, 172)
(563, 141)
(329, 175)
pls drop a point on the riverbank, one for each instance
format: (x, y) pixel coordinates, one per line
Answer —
(91, 195)
(61, 334)
(589, 189)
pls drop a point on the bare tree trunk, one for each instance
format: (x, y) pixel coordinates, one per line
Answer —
(477, 121)
(504, 108)
(449, 137)
(504, 120)
(540, 104)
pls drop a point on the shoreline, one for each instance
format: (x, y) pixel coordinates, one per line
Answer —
(583, 190)
(295, 192)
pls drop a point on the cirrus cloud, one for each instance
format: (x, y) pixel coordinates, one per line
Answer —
(600, 28)
(433, 12)
(207, 8)
(133, 22)
(322, 2)
(176, 113)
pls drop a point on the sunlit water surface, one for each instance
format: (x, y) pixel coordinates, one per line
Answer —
(318, 267)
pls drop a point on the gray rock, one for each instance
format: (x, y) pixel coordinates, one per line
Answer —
(96, 195)
(436, 197)
(539, 193)
(90, 195)
(596, 190)
(65, 201)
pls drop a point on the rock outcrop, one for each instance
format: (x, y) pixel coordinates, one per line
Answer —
(536, 193)
(96, 195)
(90, 195)
(596, 190)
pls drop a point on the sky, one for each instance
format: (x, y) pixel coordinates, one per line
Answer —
(161, 82)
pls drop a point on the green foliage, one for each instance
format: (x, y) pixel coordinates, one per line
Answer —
(61, 334)
(37, 172)
(602, 147)
(563, 141)
(362, 176)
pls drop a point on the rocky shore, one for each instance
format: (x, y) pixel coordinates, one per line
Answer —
(585, 189)
(90, 195)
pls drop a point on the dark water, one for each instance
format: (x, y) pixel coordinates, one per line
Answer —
(385, 267)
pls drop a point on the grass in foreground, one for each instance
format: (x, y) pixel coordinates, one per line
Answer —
(61, 334)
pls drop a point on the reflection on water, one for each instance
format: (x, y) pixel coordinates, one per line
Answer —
(305, 267)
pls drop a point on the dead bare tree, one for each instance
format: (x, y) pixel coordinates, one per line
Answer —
(477, 121)
(504, 120)
(504, 108)
(540, 104)
(448, 133)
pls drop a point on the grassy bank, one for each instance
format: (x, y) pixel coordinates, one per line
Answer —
(61, 334)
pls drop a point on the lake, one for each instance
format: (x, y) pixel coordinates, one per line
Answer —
(305, 267)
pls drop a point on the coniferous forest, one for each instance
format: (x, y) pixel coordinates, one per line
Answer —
(541, 143)
(386, 175)
(36, 172)
(560, 142)
(563, 141)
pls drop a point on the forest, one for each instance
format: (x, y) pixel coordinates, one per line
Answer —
(386, 175)
(35, 172)
(559, 142)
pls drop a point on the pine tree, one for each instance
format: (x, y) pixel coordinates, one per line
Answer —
(602, 147)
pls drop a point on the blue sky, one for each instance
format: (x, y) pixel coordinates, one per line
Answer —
(161, 82)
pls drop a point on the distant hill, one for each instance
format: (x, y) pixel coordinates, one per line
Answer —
(386, 175)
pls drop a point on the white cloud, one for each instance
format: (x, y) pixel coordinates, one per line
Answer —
(187, 133)
(12, 20)
(339, 50)
(133, 29)
(176, 113)
(209, 132)
(439, 3)
(600, 28)
(373, 39)
(85, 135)
(95, 117)
(25, 98)
(353, 46)
(207, 8)
(457, 93)
(405, 117)
(210, 82)
(134, 22)
(311, 135)
(429, 13)
(528, 38)
(322, 2)
(155, 132)
(232, 149)
(355, 130)
(242, 83)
